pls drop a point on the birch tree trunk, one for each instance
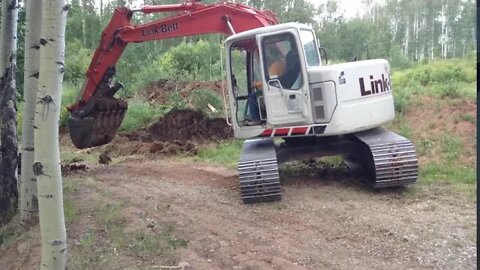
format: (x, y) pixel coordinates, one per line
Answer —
(8, 39)
(28, 182)
(8, 122)
(84, 23)
(47, 156)
(101, 13)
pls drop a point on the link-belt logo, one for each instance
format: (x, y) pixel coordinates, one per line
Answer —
(156, 30)
(376, 86)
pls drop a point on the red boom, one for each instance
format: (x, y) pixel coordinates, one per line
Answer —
(193, 19)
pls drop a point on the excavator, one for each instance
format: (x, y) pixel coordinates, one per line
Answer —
(307, 110)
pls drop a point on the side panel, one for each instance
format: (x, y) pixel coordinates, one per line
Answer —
(364, 95)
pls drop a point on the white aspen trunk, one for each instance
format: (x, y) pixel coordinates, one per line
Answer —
(28, 201)
(47, 155)
(407, 38)
(84, 23)
(8, 39)
(101, 12)
(446, 40)
(424, 34)
(8, 112)
(433, 41)
(443, 38)
(415, 34)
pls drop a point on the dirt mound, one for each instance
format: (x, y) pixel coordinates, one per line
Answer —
(178, 132)
(188, 125)
(159, 91)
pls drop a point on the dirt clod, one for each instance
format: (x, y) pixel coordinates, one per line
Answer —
(104, 158)
(69, 168)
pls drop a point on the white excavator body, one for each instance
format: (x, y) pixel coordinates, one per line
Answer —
(278, 87)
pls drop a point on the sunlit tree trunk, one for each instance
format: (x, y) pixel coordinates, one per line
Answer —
(84, 23)
(101, 12)
(8, 122)
(47, 156)
(28, 182)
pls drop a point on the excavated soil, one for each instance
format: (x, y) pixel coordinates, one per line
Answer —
(189, 125)
(178, 132)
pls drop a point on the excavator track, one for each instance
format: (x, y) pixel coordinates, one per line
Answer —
(97, 124)
(391, 158)
(258, 172)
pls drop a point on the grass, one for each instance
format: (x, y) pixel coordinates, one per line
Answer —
(455, 174)
(101, 247)
(467, 117)
(69, 210)
(451, 147)
(424, 146)
(8, 234)
(226, 153)
(75, 155)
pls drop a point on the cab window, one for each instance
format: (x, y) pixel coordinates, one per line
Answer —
(282, 61)
(239, 79)
(310, 48)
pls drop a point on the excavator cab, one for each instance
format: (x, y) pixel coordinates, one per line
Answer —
(268, 77)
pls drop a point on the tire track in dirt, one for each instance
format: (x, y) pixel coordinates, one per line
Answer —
(318, 226)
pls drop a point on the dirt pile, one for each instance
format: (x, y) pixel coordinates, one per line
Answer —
(159, 91)
(189, 125)
(178, 132)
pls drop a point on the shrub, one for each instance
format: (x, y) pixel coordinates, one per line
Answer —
(77, 59)
(453, 78)
(69, 96)
(401, 101)
(193, 61)
(140, 114)
(200, 99)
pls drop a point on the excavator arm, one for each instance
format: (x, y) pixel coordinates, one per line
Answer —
(97, 115)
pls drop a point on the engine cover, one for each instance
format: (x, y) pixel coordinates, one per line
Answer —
(351, 97)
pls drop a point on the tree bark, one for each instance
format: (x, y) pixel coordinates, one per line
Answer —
(8, 122)
(28, 200)
(9, 147)
(47, 155)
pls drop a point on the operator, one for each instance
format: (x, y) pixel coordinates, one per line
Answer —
(276, 69)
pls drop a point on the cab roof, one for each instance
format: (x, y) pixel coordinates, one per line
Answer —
(267, 29)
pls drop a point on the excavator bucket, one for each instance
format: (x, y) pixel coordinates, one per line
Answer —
(96, 123)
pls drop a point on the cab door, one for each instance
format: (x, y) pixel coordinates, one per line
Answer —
(285, 94)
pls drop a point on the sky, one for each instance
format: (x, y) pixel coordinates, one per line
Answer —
(348, 7)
